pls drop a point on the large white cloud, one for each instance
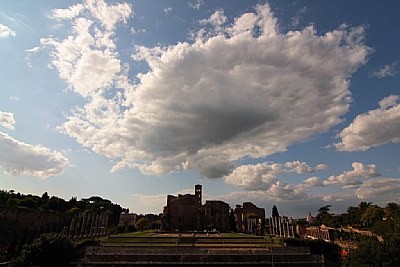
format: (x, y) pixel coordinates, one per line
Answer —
(17, 158)
(263, 177)
(355, 177)
(374, 128)
(242, 89)
(67, 13)
(5, 31)
(87, 59)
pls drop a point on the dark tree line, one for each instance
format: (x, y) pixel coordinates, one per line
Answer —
(10, 199)
(365, 216)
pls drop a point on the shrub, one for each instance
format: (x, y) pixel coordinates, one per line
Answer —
(48, 250)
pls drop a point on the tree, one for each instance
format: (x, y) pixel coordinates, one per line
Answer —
(12, 202)
(45, 197)
(392, 249)
(323, 216)
(371, 252)
(57, 204)
(142, 224)
(275, 212)
(28, 202)
(392, 211)
(371, 215)
(48, 250)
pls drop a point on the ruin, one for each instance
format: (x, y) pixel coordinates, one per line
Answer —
(249, 218)
(187, 213)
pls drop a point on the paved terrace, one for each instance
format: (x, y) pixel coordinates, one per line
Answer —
(195, 249)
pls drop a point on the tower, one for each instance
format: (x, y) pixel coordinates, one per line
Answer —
(198, 192)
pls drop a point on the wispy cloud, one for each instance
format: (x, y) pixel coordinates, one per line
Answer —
(386, 71)
(167, 10)
(196, 5)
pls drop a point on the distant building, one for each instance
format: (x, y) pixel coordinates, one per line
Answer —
(320, 232)
(249, 218)
(216, 215)
(310, 218)
(280, 226)
(187, 213)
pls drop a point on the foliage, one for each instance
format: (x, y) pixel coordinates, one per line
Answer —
(323, 216)
(45, 202)
(371, 252)
(155, 225)
(29, 202)
(124, 228)
(372, 215)
(354, 214)
(318, 247)
(73, 210)
(47, 250)
(392, 210)
(142, 224)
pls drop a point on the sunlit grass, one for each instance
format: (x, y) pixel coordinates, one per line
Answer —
(201, 239)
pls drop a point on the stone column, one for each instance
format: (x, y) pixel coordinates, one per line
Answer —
(279, 226)
(91, 231)
(287, 228)
(83, 226)
(72, 227)
(273, 225)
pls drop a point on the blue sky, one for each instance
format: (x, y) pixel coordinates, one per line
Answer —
(292, 103)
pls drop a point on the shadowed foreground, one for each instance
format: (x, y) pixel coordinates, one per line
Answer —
(195, 249)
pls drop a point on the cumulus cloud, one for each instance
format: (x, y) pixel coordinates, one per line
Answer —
(263, 176)
(243, 90)
(250, 177)
(7, 120)
(313, 181)
(214, 166)
(67, 13)
(382, 190)
(87, 59)
(355, 177)
(387, 70)
(217, 19)
(374, 128)
(6, 31)
(17, 158)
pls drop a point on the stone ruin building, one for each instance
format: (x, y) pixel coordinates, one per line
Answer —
(188, 213)
(249, 218)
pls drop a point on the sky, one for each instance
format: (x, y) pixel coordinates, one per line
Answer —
(287, 103)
